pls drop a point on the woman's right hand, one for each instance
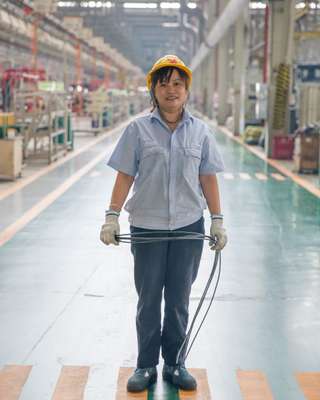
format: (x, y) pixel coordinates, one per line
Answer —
(110, 229)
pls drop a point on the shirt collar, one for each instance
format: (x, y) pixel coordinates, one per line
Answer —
(185, 117)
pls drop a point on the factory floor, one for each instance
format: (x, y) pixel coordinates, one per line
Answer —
(67, 302)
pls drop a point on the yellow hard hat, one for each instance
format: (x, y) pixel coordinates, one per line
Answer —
(170, 60)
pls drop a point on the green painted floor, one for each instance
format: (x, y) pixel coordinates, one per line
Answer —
(65, 299)
(161, 391)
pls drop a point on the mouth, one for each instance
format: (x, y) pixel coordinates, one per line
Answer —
(171, 98)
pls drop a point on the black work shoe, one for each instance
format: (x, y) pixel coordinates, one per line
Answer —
(142, 379)
(179, 377)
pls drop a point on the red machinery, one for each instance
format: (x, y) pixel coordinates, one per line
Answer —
(24, 78)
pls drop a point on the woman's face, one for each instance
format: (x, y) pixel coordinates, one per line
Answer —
(171, 95)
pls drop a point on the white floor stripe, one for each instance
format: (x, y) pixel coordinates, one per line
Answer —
(245, 176)
(278, 177)
(228, 175)
(261, 177)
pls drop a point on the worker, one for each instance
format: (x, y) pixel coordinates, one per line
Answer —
(172, 159)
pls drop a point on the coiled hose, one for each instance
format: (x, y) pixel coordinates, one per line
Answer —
(144, 238)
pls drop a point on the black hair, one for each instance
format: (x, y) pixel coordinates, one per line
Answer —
(164, 75)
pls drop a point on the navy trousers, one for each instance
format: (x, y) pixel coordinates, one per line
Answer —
(167, 269)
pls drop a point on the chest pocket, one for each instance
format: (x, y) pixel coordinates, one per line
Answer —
(153, 159)
(152, 150)
(193, 152)
(191, 161)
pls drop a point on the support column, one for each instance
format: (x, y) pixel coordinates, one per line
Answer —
(223, 81)
(281, 21)
(240, 67)
(222, 71)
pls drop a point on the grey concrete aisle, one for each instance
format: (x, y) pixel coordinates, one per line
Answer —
(67, 302)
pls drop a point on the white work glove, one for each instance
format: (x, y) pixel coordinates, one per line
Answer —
(219, 233)
(110, 228)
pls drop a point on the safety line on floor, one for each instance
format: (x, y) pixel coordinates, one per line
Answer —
(33, 212)
(26, 181)
(258, 175)
(12, 380)
(261, 177)
(254, 385)
(245, 176)
(122, 393)
(228, 175)
(309, 383)
(71, 383)
(296, 178)
(278, 177)
(203, 390)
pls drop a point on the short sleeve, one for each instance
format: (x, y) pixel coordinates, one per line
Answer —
(211, 160)
(125, 156)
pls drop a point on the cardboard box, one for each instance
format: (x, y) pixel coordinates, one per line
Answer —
(7, 119)
(10, 158)
(307, 153)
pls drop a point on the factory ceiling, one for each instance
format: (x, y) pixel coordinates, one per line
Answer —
(143, 30)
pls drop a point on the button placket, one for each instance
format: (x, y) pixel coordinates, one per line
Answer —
(172, 182)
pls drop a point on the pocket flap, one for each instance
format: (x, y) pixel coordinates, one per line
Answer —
(193, 152)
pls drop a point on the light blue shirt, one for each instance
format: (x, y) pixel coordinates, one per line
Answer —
(166, 166)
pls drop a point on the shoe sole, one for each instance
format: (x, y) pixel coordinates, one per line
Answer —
(152, 380)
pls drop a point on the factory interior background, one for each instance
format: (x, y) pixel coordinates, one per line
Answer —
(72, 77)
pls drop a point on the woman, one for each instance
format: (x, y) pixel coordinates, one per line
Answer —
(172, 158)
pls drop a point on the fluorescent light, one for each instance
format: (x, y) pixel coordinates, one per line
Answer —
(95, 4)
(140, 5)
(173, 5)
(257, 5)
(66, 4)
(192, 5)
(170, 24)
(301, 5)
(314, 5)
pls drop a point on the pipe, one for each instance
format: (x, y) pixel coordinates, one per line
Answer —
(220, 28)
(266, 44)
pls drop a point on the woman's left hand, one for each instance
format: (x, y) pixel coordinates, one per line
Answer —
(218, 232)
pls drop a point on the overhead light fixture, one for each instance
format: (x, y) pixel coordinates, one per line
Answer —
(170, 5)
(66, 4)
(170, 24)
(314, 5)
(192, 5)
(94, 4)
(257, 5)
(300, 5)
(140, 5)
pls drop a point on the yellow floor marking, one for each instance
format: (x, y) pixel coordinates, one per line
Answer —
(12, 229)
(278, 177)
(254, 385)
(12, 380)
(122, 393)
(274, 163)
(244, 175)
(24, 182)
(228, 175)
(71, 384)
(202, 392)
(261, 177)
(310, 384)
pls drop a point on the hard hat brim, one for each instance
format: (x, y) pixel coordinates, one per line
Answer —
(168, 64)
